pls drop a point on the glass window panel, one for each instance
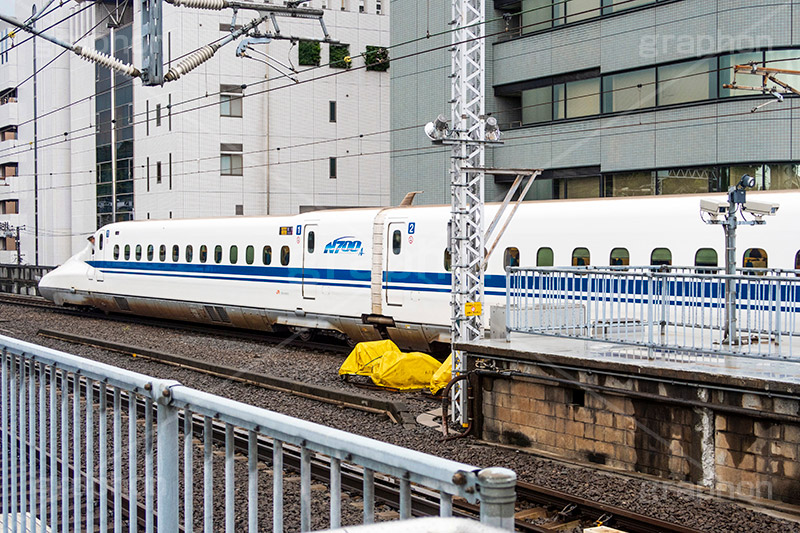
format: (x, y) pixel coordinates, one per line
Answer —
(620, 257)
(706, 257)
(629, 90)
(797, 261)
(780, 177)
(448, 261)
(234, 254)
(583, 98)
(582, 9)
(689, 81)
(203, 254)
(189, 253)
(511, 257)
(284, 255)
(104, 205)
(685, 181)
(614, 6)
(231, 164)
(661, 256)
(726, 74)
(735, 173)
(249, 255)
(559, 91)
(266, 257)
(225, 105)
(537, 105)
(127, 252)
(116, 252)
(218, 254)
(397, 242)
(755, 258)
(310, 242)
(582, 187)
(176, 253)
(162, 253)
(580, 257)
(787, 60)
(536, 15)
(632, 184)
(150, 251)
(138, 252)
(544, 257)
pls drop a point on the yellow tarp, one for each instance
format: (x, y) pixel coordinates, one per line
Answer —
(442, 376)
(389, 367)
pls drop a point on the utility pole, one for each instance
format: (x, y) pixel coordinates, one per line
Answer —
(17, 246)
(35, 150)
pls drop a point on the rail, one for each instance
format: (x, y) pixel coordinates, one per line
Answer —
(672, 312)
(22, 279)
(56, 408)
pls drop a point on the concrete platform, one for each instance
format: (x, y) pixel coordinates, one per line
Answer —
(730, 425)
(767, 374)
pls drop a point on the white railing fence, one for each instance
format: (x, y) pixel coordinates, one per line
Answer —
(669, 311)
(74, 428)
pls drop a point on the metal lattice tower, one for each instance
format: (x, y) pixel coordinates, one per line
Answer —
(467, 194)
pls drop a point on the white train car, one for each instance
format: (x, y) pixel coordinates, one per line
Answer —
(372, 272)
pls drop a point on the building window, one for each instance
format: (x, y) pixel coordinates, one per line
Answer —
(309, 53)
(239, 209)
(339, 56)
(230, 105)
(8, 133)
(9, 207)
(332, 167)
(378, 7)
(332, 111)
(9, 170)
(9, 96)
(158, 172)
(688, 81)
(629, 90)
(544, 257)
(230, 164)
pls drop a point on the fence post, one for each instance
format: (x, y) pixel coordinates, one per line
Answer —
(498, 495)
(508, 304)
(167, 453)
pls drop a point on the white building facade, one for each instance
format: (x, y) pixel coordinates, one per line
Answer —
(232, 137)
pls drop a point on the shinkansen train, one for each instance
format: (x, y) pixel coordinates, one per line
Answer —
(371, 273)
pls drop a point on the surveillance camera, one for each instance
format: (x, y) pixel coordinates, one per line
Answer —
(714, 208)
(761, 209)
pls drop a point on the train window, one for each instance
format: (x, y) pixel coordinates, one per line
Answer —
(127, 252)
(250, 255)
(138, 252)
(266, 255)
(397, 242)
(218, 254)
(661, 256)
(116, 252)
(511, 257)
(620, 257)
(755, 258)
(162, 253)
(203, 253)
(150, 250)
(448, 260)
(544, 257)
(284, 255)
(189, 253)
(101, 240)
(581, 257)
(176, 253)
(234, 254)
(706, 257)
(310, 240)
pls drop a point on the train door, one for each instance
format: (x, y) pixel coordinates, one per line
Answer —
(395, 261)
(310, 274)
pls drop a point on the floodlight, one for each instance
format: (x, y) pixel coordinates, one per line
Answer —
(437, 129)
(491, 129)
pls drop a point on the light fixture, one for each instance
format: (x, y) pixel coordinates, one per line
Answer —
(747, 182)
(437, 130)
(491, 129)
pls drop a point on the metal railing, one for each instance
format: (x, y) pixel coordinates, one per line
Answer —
(677, 312)
(22, 279)
(62, 462)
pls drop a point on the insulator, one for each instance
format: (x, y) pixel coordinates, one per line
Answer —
(192, 61)
(107, 61)
(200, 4)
